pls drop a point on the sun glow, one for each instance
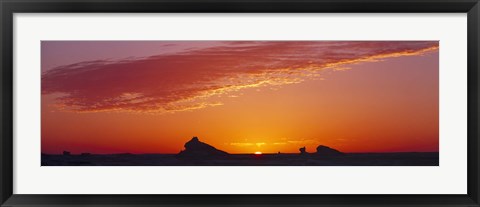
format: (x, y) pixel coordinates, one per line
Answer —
(237, 99)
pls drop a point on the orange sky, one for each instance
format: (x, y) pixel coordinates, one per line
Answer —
(241, 97)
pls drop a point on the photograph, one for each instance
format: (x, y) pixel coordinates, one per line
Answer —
(239, 103)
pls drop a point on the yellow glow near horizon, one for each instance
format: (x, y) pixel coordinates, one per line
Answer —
(258, 153)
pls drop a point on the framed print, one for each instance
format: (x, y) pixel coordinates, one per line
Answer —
(263, 103)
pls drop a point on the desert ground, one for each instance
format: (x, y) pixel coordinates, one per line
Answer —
(348, 159)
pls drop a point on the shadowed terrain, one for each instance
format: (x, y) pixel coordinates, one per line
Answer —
(349, 159)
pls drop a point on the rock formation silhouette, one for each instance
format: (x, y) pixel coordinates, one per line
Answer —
(303, 151)
(327, 151)
(197, 149)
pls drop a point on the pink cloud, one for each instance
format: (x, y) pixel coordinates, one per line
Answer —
(186, 80)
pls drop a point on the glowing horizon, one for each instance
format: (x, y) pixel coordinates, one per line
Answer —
(239, 96)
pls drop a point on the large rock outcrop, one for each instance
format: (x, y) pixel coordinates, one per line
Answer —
(327, 151)
(197, 149)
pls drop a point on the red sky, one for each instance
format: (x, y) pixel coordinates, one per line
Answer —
(239, 96)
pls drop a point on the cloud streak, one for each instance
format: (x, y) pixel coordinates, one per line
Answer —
(188, 80)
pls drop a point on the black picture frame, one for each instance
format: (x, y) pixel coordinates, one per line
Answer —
(9, 7)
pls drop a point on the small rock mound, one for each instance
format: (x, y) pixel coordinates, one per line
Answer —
(197, 149)
(303, 151)
(327, 151)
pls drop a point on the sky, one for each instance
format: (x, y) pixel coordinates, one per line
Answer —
(239, 96)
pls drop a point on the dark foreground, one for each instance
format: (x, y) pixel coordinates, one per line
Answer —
(349, 159)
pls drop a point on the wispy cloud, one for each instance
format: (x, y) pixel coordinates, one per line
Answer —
(301, 142)
(242, 144)
(279, 143)
(247, 144)
(188, 80)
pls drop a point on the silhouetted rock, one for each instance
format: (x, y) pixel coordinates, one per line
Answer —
(196, 149)
(327, 151)
(303, 151)
(66, 153)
